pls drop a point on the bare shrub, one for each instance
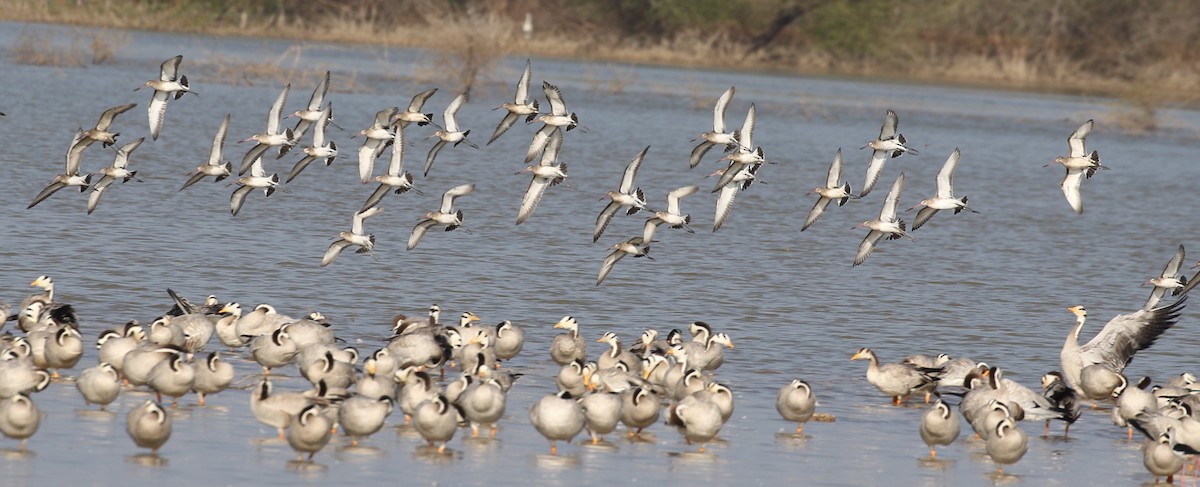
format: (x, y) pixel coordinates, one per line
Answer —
(469, 46)
(40, 47)
(106, 43)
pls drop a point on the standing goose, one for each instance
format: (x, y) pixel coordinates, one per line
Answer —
(1078, 165)
(113, 345)
(889, 144)
(569, 346)
(258, 178)
(1062, 397)
(413, 112)
(396, 180)
(450, 134)
(445, 215)
(416, 387)
(572, 378)
(944, 199)
(616, 354)
(1116, 343)
(521, 106)
(1169, 280)
(558, 417)
(213, 376)
(213, 167)
(436, 420)
(601, 413)
(309, 431)
(99, 385)
(118, 170)
(312, 113)
(939, 426)
(559, 117)
(19, 418)
(896, 380)
(276, 410)
(796, 403)
(356, 236)
(639, 409)
(273, 350)
(626, 195)
(886, 225)
(1161, 456)
(172, 377)
(672, 217)
(70, 177)
(319, 148)
(830, 192)
(169, 83)
(483, 405)
(63, 350)
(510, 339)
(635, 246)
(1007, 444)
(273, 137)
(149, 426)
(699, 419)
(545, 174)
(718, 136)
(362, 416)
(377, 138)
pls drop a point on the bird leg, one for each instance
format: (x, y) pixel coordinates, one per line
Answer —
(1046, 428)
(353, 441)
(474, 430)
(895, 400)
(595, 440)
(441, 448)
(407, 420)
(492, 434)
(201, 396)
(932, 453)
(553, 448)
(1129, 433)
(800, 428)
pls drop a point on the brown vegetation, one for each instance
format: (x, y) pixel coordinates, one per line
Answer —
(1062, 45)
(44, 47)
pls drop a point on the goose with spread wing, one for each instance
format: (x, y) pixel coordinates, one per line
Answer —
(1116, 343)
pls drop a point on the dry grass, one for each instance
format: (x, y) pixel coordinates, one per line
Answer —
(41, 47)
(288, 67)
(106, 43)
(469, 47)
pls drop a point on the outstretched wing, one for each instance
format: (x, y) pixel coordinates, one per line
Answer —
(1070, 188)
(506, 123)
(156, 111)
(888, 213)
(945, 177)
(817, 210)
(419, 231)
(867, 246)
(605, 217)
(923, 216)
(334, 250)
(1076, 140)
(1126, 334)
(890, 121)
(631, 171)
(537, 187)
(608, 264)
(719, 110)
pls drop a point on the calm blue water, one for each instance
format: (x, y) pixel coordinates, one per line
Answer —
(992, 286)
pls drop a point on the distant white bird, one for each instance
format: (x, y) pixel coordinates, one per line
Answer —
(396, 179)
(672, 216)
(889, 145)
(1169, 280)
(356, 236)
(273, 137)
(118, 170)
(213, 167)
(378, 136)
(450, 134)
(830, 192)
(320, 149)
(634, 246)
(446, 215)
(887, 225)
(1078, 164)
(559, 117)
(521, 106)
(545, 174)
(944, 199)
(626, 195)
(169, 83)
(718, 136)
(258, 178)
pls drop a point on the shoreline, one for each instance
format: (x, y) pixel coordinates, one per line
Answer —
(490, 38)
